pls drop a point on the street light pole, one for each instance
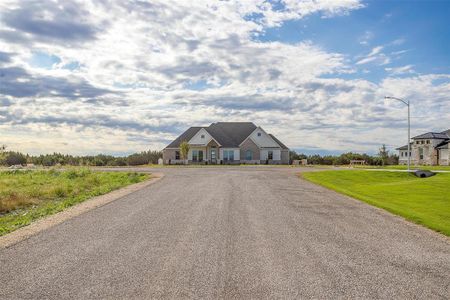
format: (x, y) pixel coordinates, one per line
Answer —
(406, 102)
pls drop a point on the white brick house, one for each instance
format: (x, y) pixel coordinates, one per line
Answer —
(228, 143)
(431, 148)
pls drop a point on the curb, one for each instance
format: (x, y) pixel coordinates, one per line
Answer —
(40, 225)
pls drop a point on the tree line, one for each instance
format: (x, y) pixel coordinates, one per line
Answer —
(384, 157)
(9, 158)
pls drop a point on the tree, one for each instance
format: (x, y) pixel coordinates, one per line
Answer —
(383, 154)
(15, 158)
(184, 150)
(2, 154)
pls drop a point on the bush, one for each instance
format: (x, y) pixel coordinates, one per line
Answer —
(14, 158)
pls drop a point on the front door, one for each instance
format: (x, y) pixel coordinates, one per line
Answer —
(213, 156)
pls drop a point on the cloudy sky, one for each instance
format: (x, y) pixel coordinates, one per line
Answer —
(117, 77)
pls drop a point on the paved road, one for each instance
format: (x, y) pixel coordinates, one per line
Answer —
(230, 233)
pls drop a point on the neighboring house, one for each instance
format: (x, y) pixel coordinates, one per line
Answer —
(431, 148)
(228, 143)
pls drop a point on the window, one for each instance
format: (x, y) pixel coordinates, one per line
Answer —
(177, 154)
(270, 155)
(420, 153)
(422, 142)
(401, 154)
(428, 141)
(417, 142)
(259, 133)
(228, 155)
(202, 136)
(248, 155)
(197, 155)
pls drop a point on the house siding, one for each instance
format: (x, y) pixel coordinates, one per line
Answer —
(236, 155)
(250, 145)
(168, 155)
(285, 156)
(444, 159)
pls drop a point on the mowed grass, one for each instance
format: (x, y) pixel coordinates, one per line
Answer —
(29, 195)
(404, 167)
(425, 201)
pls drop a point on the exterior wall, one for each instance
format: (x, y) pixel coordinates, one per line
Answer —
(444, 157)
(430, 155)
(198, 140)
(236, 153)
(205, 154)
(403, 157)
(276, 154)
(250, 145)
(285, 156)
(168, 154)
(264, 140)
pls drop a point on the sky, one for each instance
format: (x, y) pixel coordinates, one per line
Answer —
(117, 77)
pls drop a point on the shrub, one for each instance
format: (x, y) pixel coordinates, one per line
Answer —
(14, 158)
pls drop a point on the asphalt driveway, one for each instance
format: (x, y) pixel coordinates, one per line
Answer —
(230, 233)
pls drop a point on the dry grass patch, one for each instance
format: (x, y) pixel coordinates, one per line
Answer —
(28, 195)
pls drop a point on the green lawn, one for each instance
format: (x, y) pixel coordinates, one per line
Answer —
(424, 201)
(403, 167)
(29, 195)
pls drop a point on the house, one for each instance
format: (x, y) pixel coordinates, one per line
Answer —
(431, 148)
(228, 143)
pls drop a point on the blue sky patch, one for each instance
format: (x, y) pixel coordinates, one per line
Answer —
(43, 60)
(199, 85)
(74, 65)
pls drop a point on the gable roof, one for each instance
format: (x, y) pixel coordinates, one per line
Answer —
(185, 136)
(283, 146)
(231, 134)
(227, 134)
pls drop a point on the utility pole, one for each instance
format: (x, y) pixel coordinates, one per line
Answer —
(406, 102)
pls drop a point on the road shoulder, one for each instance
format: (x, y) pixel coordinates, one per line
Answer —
(42, 224)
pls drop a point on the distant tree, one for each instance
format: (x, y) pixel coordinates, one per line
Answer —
(184, 150)
(392, 159)
(2, 154)
(15, 158)
(383, 154)
(295, 156)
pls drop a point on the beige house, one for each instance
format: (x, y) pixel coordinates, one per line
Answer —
(431, 148)
(228, 143)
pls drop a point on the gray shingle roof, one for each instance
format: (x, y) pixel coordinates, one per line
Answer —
(185, 136)
(443, 145)
(447, 132)
(231, 134)
(432, 135)
(403, 147)
(227, 134)
(283, 146)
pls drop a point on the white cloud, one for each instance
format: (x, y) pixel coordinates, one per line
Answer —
(408, 69)
(366, 38)
(398, 42)
(375, 56)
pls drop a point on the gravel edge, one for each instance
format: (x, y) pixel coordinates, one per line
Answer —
(34, 228)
